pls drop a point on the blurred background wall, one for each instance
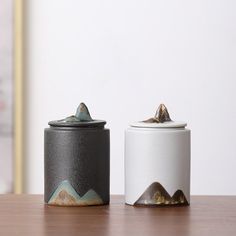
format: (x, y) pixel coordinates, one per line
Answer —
(122, 58)
(6, 96)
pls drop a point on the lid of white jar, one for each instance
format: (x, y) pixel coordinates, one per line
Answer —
(160, 120)
(169, 124)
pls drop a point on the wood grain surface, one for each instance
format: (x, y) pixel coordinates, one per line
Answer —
(27, 215)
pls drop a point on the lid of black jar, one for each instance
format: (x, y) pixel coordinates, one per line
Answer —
(81, 119)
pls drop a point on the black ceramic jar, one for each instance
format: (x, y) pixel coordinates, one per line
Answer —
(77, 161)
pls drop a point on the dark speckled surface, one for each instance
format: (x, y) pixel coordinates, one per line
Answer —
(80, 155)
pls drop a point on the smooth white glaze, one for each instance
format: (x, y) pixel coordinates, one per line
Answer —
(156, 155)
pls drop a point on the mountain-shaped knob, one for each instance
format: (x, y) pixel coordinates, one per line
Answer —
(161, 116)
(82, 113)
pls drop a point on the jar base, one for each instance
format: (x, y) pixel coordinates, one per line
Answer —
(156, 195)
(159, 205)
(57, 205)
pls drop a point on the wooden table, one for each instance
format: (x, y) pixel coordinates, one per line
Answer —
(27, 215)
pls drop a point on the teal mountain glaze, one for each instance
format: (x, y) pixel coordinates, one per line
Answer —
(82, 113)
(65, 195)
(82, 118)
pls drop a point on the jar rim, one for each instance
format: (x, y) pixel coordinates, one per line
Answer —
(85, 124)
(168, 124)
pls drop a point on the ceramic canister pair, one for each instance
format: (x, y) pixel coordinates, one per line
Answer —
(77, 161)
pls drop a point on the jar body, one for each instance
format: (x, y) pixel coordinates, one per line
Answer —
(157, 166)
(76, 166)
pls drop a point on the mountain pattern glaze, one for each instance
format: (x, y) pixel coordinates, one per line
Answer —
(156, 194)
(65, 195)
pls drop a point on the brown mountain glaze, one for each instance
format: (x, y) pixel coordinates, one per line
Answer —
(156, 194)
(179, 198)
(161, 116)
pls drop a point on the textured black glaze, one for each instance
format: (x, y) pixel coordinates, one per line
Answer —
(80, 155)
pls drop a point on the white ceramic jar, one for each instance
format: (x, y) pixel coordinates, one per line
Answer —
(157, 164)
